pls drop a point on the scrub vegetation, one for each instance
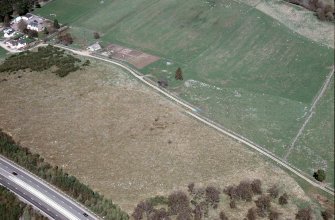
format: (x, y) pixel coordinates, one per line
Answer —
(43, 59)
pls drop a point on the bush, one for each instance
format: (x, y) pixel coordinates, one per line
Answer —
(320, 175)
(274, 215)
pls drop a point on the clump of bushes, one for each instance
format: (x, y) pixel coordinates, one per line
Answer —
(322, 10)
(41, 60)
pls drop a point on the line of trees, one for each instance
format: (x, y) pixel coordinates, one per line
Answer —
(209, 203)
(12, 208)
(58, 177)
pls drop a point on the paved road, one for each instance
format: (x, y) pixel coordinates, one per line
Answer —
(44, 197)
(208, 122)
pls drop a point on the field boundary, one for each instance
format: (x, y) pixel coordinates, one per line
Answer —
(311, 111)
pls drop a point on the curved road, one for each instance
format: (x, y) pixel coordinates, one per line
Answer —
(208, 122)
(44, 197)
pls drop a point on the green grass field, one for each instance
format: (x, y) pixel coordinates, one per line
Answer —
(242, 68)
(3, 53)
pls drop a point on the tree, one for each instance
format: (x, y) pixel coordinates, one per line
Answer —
(304, 214)
(223, 216)
(232, 204)
(256, 186)
(252, 214)
(6, 21)
(56, 24)
(32, 33)
(179, 74)
(274, 215)
(65, 39)
(263, 204)
(283, 199)
(190, 188)
(273, 191)
(320, 175)
(22, 25)
(327, 214)
(212, 195)
(96, 35)
(178, 202)
(45, 31)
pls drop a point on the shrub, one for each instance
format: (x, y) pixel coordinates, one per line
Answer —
(190, 188)
(320, 175)
(232, 204)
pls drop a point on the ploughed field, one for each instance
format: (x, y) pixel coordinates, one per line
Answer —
(241, 67)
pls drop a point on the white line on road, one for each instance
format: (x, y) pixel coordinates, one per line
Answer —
(44, 198)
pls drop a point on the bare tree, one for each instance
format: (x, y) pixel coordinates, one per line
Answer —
(178, 202)
(232, 204)
(263, 204)
(283, 199)
(327, 214)
(256, 186)
(273, 191)
(223, 216)
(252, 214)
(304, 214)
(22, 25)
(274, 215)
(212, 195)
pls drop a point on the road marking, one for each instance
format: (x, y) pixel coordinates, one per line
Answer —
(44, 198)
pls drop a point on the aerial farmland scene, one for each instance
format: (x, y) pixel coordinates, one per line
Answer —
(167, 109)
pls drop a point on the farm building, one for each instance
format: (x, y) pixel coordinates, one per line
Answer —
(8, 33)
(35, 25)
(94, 47)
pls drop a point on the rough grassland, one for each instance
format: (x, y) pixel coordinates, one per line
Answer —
(243, 68)
(113, 133)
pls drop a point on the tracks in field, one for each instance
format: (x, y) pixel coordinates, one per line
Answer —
(311, 111)
(193, 113)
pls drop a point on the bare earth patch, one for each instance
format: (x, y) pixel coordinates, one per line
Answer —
(121, 138)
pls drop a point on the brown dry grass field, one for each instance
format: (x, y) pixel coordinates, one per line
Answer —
(123, 139)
